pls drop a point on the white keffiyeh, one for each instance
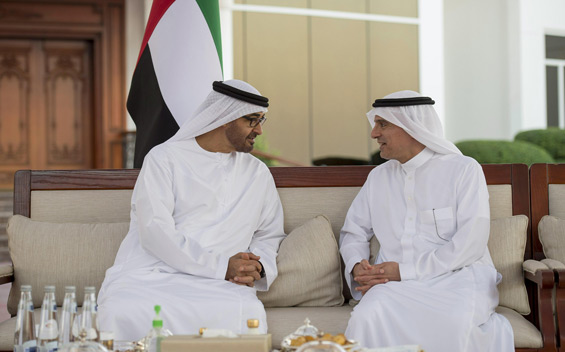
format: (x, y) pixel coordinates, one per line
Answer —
(217, 110)
(419, 121)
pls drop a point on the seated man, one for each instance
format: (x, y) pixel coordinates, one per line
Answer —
(434, 283)
(206, 224)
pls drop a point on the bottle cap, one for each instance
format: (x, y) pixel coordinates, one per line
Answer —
(70, 289)
(157, 322)
(201, 331)
(49, 289)
(89, 289)
(25, 288)
(252, 323)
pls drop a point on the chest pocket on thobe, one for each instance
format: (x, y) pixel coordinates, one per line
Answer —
(437, 225)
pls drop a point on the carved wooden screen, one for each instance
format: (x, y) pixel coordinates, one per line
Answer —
(45, 106)
(62, 95)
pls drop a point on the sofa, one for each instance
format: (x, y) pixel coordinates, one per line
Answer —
(68, 225)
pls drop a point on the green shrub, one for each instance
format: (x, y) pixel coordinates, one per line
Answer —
(504, 152)
(262, 145)
(551, 139)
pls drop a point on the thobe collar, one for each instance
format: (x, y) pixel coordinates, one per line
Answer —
(418, 160)
(216, 156)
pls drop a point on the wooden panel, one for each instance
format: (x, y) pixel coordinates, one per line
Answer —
(540, 204)
(17, 12)
(100, 23)
(407, 8)
(67, 105)
(282, 3)
(339, 88)
(276, 63)
(14, 102)
(393, 59)
(115, 36)
(330, 176)
(340, 5)
(22, 192)
(239, 45)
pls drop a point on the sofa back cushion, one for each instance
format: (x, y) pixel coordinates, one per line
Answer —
(81, 206)
(58, 254)
(309, 268)
(507, 244)
(556, 193)
(552, 237)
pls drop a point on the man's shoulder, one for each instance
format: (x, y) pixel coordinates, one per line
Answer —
(254, 164)
(159, 153)
(384, 168)
(456, 160)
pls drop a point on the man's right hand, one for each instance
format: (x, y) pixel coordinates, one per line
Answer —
(367, 276)
(244, 269)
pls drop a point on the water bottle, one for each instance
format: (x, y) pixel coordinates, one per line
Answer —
(24, 337)
(48, 327)
(67, 316)
(156, 333)
(88, 318)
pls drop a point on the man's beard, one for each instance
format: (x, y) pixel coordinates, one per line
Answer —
(239, 140)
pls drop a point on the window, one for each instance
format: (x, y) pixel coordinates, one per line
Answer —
(555, 80)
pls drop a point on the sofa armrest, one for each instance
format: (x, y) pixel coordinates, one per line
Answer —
(559, 270)
(544, 278)
(539, 273)
(6, 273)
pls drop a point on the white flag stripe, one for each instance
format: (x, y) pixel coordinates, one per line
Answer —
(185, 58)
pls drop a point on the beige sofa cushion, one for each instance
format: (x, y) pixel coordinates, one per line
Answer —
(526, 335)
(309, 268)
(39, 258)
(507, 243)
(552, 237)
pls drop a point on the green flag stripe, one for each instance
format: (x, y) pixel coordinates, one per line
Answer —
(211, 11)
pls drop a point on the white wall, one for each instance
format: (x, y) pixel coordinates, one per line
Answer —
(477, 70)
(137, 13)
(539, 17)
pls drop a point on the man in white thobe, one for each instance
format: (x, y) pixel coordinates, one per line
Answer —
(206, 224)
(433, 283)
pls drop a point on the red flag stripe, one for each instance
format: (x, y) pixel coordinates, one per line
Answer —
(158, 9)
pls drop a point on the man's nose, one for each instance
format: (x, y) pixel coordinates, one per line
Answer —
(375, 132)
(258, 129)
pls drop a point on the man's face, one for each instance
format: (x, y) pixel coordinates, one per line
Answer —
(394, 142)
(240, 133)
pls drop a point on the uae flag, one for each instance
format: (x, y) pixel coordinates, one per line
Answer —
(179, 59)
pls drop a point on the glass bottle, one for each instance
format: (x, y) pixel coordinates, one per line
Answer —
(48, 327)
(253, 327)
(88, 319)
(67, 316)
(156, 333)
(24, 337)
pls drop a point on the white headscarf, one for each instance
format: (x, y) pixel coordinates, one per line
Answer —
(419, 121)
(217, 110)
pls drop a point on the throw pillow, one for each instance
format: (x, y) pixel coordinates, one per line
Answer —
(552, 237)
(60, 254)
(309, 268)
(507, 243)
